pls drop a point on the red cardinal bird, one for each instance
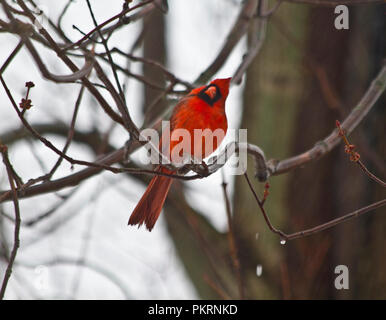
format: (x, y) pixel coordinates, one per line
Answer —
(203, 108)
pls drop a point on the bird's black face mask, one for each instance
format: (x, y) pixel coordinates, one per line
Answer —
(210, 98)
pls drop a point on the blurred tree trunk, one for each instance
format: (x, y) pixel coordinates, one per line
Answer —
(272, 92)
(333, 186)
(310, 260)
(154, 48)
(360, 243)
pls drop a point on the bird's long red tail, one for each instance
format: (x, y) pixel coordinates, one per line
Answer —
(149, 207)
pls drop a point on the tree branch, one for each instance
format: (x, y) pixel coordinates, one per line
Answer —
(100, 26)
(307, 232)
(354, 156)
(232, 240)
(358, 113)
(258, 36)
(238, 30)
(8, 271)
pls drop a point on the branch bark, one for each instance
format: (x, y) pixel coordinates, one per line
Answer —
(16, 243)
(358, 113)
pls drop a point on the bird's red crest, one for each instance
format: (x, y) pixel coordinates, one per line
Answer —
(223, 84)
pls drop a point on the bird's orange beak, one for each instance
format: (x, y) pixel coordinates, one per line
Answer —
(211, 92)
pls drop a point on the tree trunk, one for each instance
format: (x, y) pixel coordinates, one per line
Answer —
(272, 92)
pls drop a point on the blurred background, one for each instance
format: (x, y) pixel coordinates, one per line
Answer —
(75, 243)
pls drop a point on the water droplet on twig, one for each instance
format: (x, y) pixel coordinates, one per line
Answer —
(283, 242)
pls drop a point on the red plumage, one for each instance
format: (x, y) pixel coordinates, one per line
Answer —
(203, 108)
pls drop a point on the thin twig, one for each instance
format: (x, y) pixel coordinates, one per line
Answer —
(98, 27)
(61, 16)
(221, 293)
(77, 75)
(57, 29)
(258, 37)
(128, 122)
(266, 218)
(48, 213)
(355, 157)
(237, 32)
(307, 232)
(109, 57)
(60, 153)
(358, 113)
(70, 133)
(8, 271)
(11, 56)
(53, 45)
(336, 221)
(156, 64)
(271, 11)
(232, 240)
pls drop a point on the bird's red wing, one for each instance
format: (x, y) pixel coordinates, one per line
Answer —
(177, 120)
(180, 114)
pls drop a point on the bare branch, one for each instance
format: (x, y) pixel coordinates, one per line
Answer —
(336, 221)
(156, 64)
(232, 240)
(122, 96)
(355, 157)
(260, 204)
(128, 122)
(271, 11)
(358, 113)
(8, 271)
(64, 58)
(11, 56)
(332, 223)
(77, 75)
(70, 134)
(238, 30)
(221, 293)
(100, 26)
(258, 35)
